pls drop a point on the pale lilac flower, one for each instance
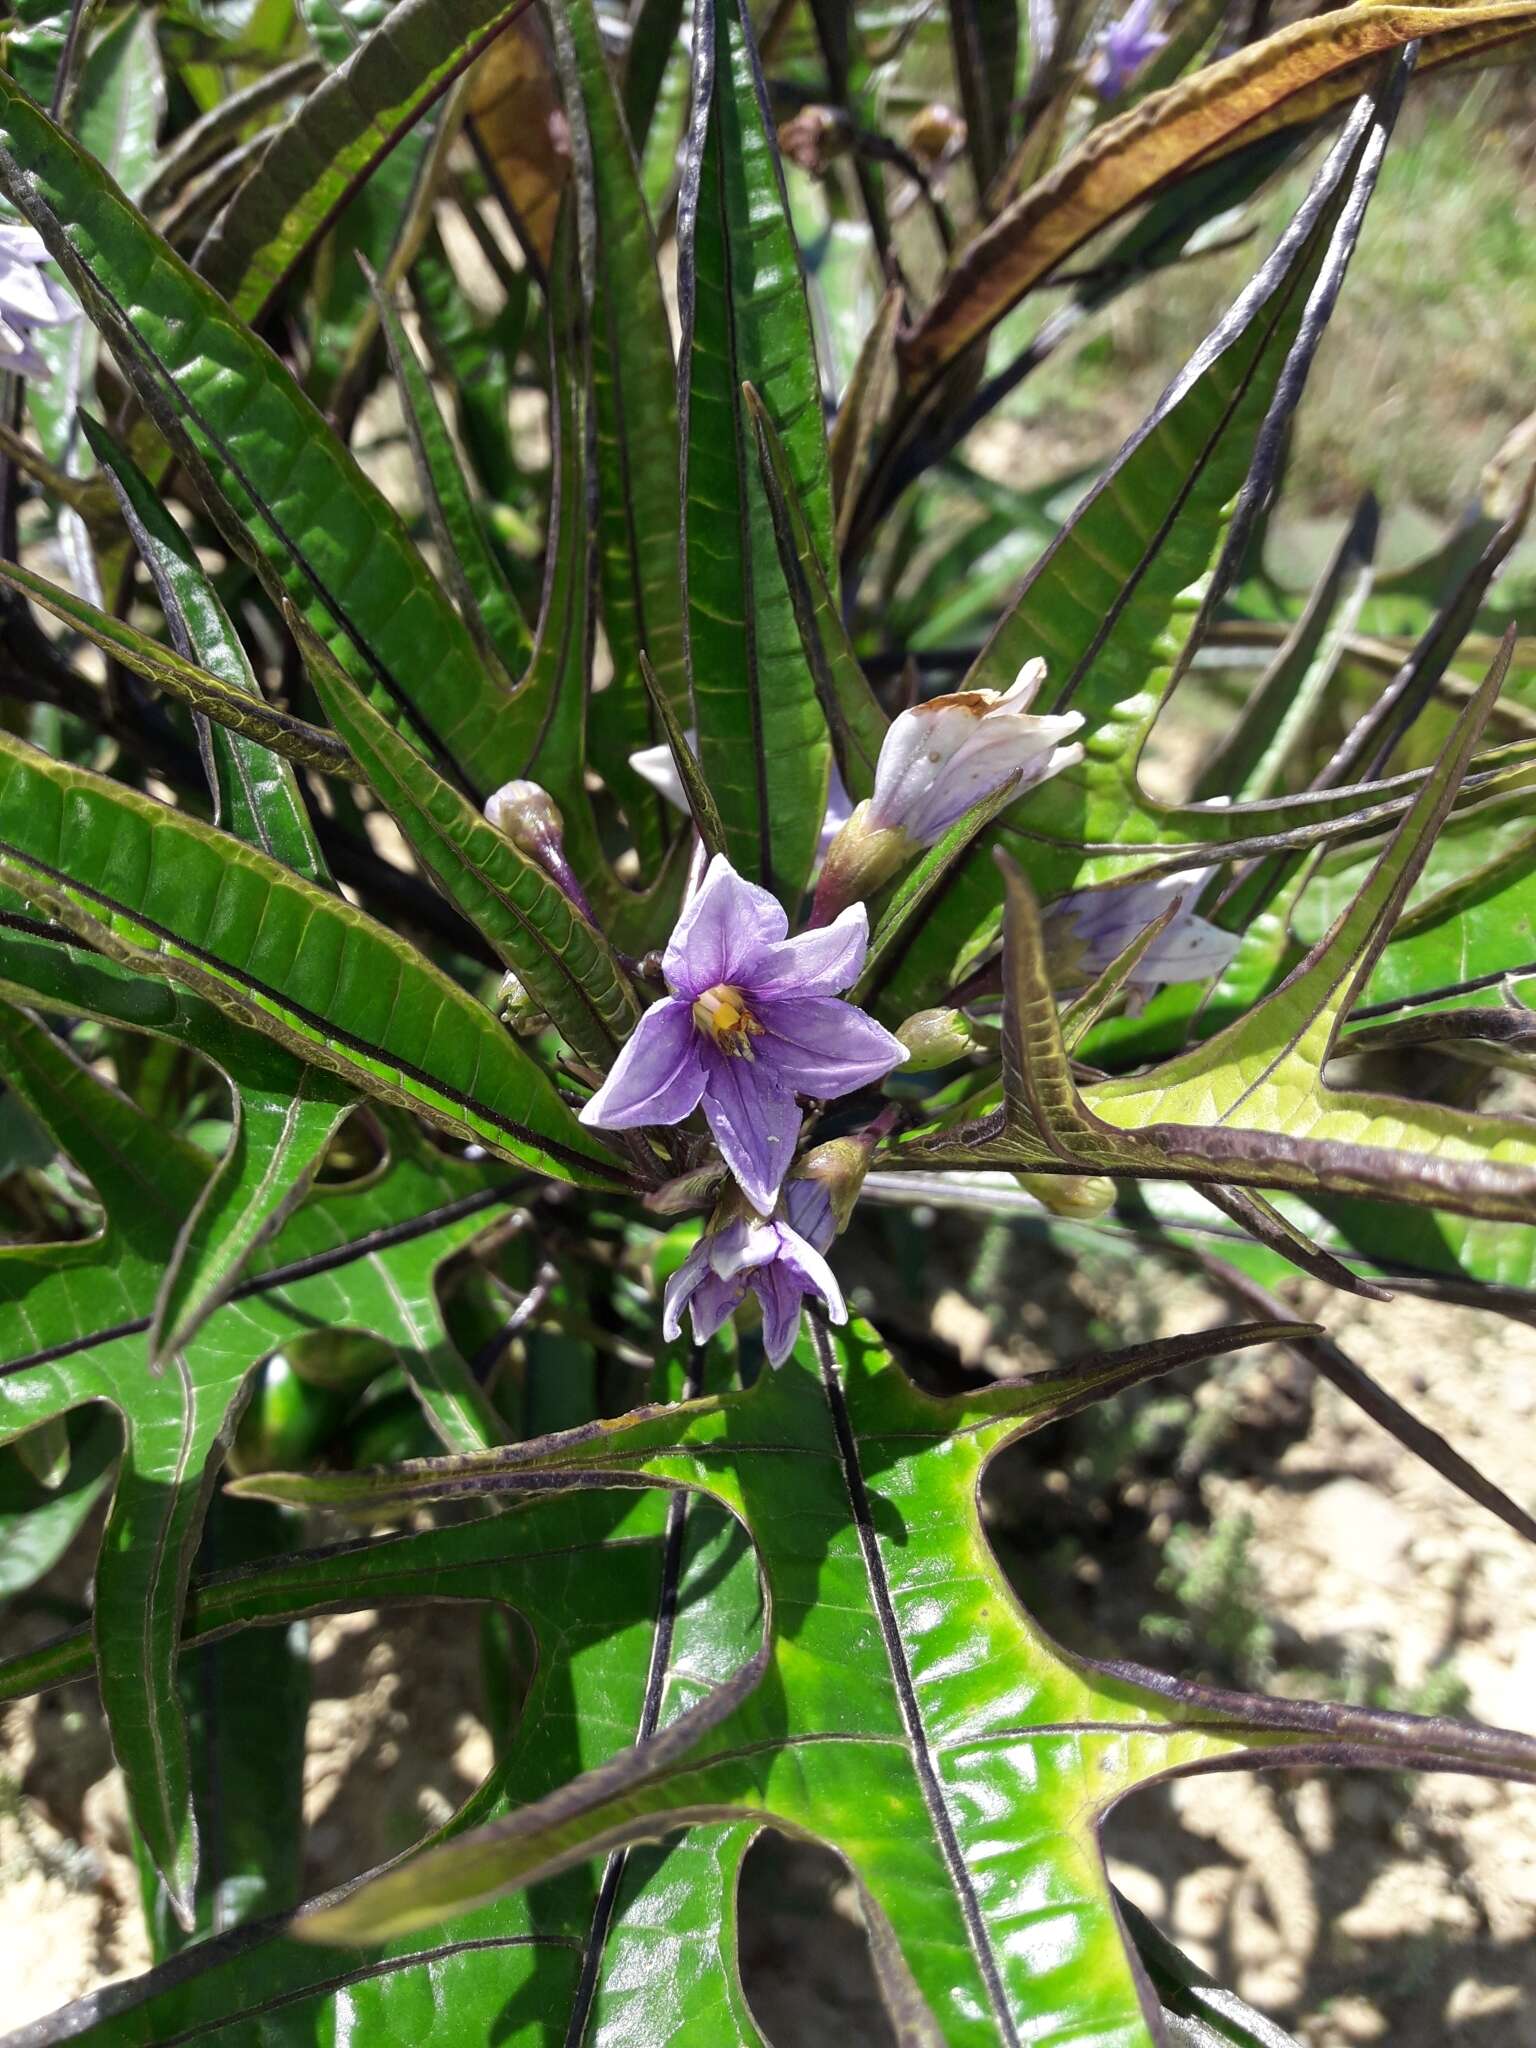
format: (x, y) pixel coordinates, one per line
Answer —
(752, 1020)
(1121, 49)
(28, 299)
(656, 766)
(940, 759)
(780, 1260)
(1087, 930)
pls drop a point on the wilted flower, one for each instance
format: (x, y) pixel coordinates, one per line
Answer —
(815, 138)
(1087, 930)
(1121, 49)
(656, 766)
(780, 1260)
(938, 761)
(752, 1020)
(528, 815)
(28, 299)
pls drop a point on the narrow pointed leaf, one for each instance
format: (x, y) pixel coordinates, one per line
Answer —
(854, 718)
(637, 448)
(1111, 603)
(762, 737)
(361, 1257)
(474, 575)
(227, 704)
(289, 495)
(259, 793)
(321, 155)
(156, 890)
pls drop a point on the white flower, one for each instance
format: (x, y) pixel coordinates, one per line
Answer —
(940, 759)
(28, 300)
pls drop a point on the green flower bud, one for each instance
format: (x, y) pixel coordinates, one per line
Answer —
(937, 1038)
(839, 1166)
(1083, 1197)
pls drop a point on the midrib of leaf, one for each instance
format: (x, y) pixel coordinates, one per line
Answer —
(906, 1695)
(606, 1906)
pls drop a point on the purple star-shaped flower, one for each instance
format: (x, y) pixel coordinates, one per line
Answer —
(780, 1261)
(1122, 49)
(752, 1021)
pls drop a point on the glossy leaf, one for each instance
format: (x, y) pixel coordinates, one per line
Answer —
(874, 1685)
(290, 495)
(256, 793)
(635, 416)
(152, 888)
(1251, 1104)
(1112, 602)
(855, 720)
(213, 697)
(39, 1522)
(475, 576)
(115, 111)
(591, 1952)
(77, 1318)
(560, 958)
(320, 156)
(762, 738)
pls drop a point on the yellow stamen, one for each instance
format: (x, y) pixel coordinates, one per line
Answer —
(723, 1015)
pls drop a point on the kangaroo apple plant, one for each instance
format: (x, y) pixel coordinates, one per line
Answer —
(522, 819)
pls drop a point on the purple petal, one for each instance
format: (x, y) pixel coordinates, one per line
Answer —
(679, 1289)
(714, 1302)
(1191, 949)
(723, 926)
(658, 1077)
(839, 810)
(808, 1207)
(815, 963)
(742, 1246)
(811, 1273)
(819, 1046)
(755, 1122)
(782, 1299)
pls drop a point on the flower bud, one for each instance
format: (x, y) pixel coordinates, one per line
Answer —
(837, 1170)
(937, 1038)
(1083, 1197)
(528, 815)
(935, 134)
(517, 1009)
